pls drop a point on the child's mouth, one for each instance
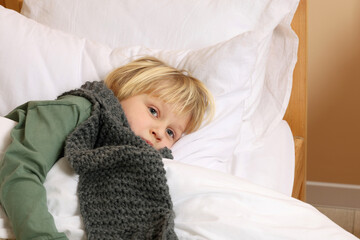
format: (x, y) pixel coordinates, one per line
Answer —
(148, 142)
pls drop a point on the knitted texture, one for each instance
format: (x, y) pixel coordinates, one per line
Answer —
(122, 187)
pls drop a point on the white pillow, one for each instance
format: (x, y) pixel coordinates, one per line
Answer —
(37, 62)
(40, 63)
(185, 24)
(176, 24)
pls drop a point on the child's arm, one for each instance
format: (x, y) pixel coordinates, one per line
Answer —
(37, 142)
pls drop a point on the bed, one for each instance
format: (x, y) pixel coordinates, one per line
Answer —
(247, 169)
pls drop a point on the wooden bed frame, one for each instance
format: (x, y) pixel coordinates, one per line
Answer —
(296, 114)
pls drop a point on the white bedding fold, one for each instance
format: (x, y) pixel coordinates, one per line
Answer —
(208, 205)
(213, 205)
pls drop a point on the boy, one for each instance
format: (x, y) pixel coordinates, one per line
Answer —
(115, 148)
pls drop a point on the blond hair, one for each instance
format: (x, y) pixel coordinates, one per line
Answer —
(151, 76)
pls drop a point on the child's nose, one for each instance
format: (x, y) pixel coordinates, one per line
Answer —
(153, 132)
(157, 133)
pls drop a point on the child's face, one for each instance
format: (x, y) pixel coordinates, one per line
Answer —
(154, 120)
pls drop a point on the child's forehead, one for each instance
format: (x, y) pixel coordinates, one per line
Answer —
(177, 105)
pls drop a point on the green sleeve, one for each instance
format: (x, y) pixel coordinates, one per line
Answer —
(37, 142)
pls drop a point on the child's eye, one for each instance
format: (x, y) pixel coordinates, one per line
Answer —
(153, 111)
(170, 133)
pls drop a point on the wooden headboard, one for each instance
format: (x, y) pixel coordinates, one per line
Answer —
(12, 4)
(296, 114)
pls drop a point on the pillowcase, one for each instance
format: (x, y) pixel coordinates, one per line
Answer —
(40, 63)
(185, 24)
(177, 24)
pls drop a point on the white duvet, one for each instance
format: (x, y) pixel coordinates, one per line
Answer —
(208, 205)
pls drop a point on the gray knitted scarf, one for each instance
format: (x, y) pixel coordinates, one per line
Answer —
(122, 187)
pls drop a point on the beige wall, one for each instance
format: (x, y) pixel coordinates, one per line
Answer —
(334, 91)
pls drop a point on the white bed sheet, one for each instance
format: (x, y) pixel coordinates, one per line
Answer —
(208, 204)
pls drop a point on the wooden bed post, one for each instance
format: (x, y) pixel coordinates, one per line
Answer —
(296, 114)
(12, 4)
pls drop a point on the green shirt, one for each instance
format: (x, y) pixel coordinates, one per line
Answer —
(37, 143)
